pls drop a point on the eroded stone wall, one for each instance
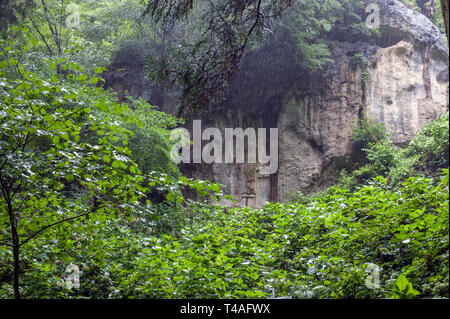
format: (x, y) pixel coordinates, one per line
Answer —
(316, 112)
(406, 87)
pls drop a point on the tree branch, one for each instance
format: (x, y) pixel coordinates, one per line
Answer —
(258, 15)
(38, 31)
(5, 244)
(57, 223)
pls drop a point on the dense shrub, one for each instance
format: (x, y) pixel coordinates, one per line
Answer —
(368, 132)
(381, 156)
(151, 143)
(298, 197)
(425, 155)
(432, 144)
(326, 249)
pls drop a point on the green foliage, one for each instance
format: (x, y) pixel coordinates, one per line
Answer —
(118, 31)
(65, 164)
(438, 18)
(404, 167)
(312, 52)
(382, 156)
(298, 197)
(321, 250)
(314, 24)
(360, 60)
(11, 11)
(425, 155)
(432, 144)
(368, 132)
(151, 144)
(201, 54)
(403, 289)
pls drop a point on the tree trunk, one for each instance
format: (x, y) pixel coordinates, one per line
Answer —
(15, 250)
(15, 242)
(445, 6)
(16, 270)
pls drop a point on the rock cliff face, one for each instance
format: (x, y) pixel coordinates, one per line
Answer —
(404, 85)
(409, 78)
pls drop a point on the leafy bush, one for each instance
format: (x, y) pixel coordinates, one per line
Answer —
(66, 167)
(298, 197)
(325, 249)
(432, 144)
(382, 156)
(347, 180)
(368, 132)
(321, 250)
(360, 60)
(151, 144)
(54, 144)
(365, 173)
(404, 168)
